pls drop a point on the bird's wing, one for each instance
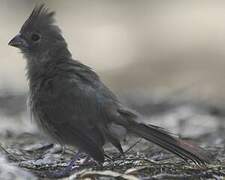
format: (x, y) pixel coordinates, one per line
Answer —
(72, 111)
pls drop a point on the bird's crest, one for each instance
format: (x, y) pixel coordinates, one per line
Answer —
(40, 16)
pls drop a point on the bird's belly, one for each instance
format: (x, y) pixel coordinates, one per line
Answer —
(45, 127)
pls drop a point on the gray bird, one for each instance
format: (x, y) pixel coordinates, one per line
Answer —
(72, 105)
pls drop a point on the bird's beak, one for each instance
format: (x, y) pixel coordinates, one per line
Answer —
(18, 42)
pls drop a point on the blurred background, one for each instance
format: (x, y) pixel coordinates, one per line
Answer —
(144, 50)
(165, 59)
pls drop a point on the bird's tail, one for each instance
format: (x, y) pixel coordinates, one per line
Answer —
(166, 140)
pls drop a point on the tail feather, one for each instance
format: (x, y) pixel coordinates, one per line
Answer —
(164, 139)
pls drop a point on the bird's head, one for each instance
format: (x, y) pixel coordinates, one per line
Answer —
(39, 35)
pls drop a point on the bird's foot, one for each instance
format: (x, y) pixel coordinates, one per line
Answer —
(89, 162)
(67, 170)
(72, 167)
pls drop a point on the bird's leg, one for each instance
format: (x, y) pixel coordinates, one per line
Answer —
(88, 161)
(73, 161)
(63, 150)
(132, 146)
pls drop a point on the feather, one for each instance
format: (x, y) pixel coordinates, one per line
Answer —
(40, 17)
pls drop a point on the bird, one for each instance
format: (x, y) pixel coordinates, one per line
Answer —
(73, 106)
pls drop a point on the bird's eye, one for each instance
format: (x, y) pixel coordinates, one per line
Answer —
(35, 37)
